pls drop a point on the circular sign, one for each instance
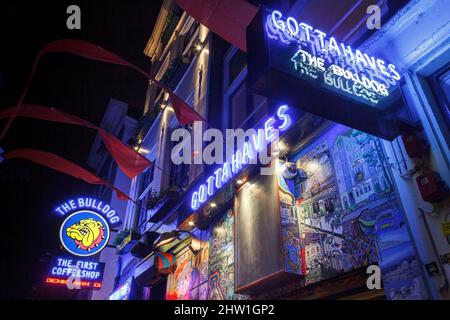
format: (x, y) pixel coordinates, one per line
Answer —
(84, 233)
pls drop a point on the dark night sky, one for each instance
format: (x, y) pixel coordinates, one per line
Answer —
(74, 85)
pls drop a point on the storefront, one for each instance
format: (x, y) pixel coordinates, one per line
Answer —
(340, 189)
(330, 211)
(347, 199)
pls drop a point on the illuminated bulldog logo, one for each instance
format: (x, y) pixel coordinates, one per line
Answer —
(87, 233)
(84, 233)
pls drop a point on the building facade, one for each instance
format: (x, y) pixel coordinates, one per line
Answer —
(115, 121)
(340, 199)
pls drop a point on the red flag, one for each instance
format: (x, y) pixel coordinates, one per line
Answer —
(60, 164)
(47, 114)
(226, 18)
(184, 115)
(87, 50)
(129, 161)
(93, 52)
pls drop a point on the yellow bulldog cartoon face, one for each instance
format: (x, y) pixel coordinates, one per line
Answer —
(87, 233)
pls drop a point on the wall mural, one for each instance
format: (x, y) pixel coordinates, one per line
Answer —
(200, 291)
(221, 259)
(339, 212)
(188, 281)
(294, 255)
(348, 213)
(182, 279)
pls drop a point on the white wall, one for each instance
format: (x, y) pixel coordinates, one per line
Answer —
(419, 43)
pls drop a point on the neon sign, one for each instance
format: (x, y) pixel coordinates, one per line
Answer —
(89, 203)
(80, 269)
(304, 67)
(122, 292)
(76, 283)
(241, 157)
(81, 273)
(321, 58)
(86, 229)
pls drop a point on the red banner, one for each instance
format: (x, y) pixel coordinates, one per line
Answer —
(60, 164)
(129, 161)
(226, 18)
(184, 113)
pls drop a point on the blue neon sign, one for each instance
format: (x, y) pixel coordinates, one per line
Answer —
(86, 229)
(63, 267)
(89, 204)
(333, 65)
(241, 157)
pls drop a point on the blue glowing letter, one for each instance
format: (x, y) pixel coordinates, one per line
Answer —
(194, 200)
(283, 116)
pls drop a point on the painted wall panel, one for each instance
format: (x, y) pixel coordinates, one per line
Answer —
(189, 279)
(349, 213)
(221, 259)
(258, 242)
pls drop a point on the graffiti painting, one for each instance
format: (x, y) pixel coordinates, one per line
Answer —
(221, 259)
(346, 204)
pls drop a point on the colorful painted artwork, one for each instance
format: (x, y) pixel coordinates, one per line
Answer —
(188, 281)
(400, 268)
(293, 257)
(292, 250)
(221, 259)
(182, 279)
(202, 263)
(346, 206)
(334, 238)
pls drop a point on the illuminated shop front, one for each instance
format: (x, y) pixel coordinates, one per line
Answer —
(341, 191)
(352, 179)
(331, 209)
(84, 232)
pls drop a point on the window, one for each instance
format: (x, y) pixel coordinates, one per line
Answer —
(236, 64)
(148, 176)
(240, 108)
(440, 83)
(144, 180)
(105, 170)
(178, 175)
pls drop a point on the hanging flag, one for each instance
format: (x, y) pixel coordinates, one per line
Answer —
(93, 52)
(226, 18)
(184, 115)
(60, 164)
(47, 114)
(129, 161)
(164, 262)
